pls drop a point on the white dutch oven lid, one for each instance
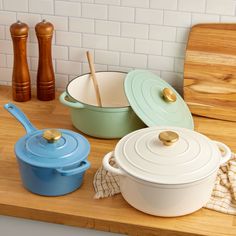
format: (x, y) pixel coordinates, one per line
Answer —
(167, 155)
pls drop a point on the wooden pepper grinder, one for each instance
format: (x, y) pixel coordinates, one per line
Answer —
(45, 75)
(21, 89)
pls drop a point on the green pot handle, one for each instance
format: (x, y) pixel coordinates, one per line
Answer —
(64, 100)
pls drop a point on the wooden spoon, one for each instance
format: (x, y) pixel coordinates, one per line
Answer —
(93, 76)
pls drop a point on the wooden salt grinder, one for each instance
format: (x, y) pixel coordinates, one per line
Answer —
(45, 75)
(21, 89)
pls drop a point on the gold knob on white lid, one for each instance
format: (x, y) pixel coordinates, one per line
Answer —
(168, 137)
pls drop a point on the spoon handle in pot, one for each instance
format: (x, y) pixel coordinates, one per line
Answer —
(20, 116)
(93, 76)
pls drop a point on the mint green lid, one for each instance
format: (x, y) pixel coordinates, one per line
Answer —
(144, 91)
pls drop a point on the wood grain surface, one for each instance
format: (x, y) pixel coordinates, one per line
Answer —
(80, 208)
(210, 71)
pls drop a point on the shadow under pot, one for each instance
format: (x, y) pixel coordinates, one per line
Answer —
(52, 162)
(114, 119)
(167, 171)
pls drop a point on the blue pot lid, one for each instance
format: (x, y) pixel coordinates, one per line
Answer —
(145, 92)
(69, 149)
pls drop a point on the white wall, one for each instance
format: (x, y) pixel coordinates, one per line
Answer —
(121, 34)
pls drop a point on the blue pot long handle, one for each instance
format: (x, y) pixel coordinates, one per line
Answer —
(64, 100)
(20, 116)
(83, 167)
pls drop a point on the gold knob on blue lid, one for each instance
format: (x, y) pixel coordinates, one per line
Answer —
(52, 135)
(169, 95)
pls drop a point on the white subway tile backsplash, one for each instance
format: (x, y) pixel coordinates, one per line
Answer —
(79, 54)
(206, 18)
(87, 1)
(133, 60)
(192, 5)
(15, 5)
(68, 67)
(226, 7)
(81, 25)
(33, 78)
(4, 82)
(32, 49)
(134, 30)
(61, 81)
(174, 49)
(98, 67)
(174, 79)
(228, 19)
(120, 34)
(109, 2)
(165, 33)
(34, 63)
(121, 14)
(135, 3)
(7, 33)
(65, 8)
(6, 74)
(107, 27)
(59, 22)
(94, 41)
(179, 65)
(3, 60)
(149, 47)
(68, 38)
(107, 57)
(182, 35)
(6, 47)
(2, 32)
(9, 61)
(32, 36)
(164, 4)
(41, 6)
(121, 44)
(30, 19)
(172, 18)
(161, 63)
(156, 72)
(119, 68)
(7, 18)
(60, 52)
(149, 16)
(94, 11)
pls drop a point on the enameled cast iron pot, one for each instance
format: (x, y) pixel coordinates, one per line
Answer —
(114, 119)
(51, 162)
(167, 171)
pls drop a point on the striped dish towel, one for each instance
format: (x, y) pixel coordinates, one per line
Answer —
(223, 198)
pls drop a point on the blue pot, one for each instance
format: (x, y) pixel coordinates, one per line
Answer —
(52, 162)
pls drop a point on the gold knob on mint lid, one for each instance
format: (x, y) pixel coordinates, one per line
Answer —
(168, 137)
(52, 135)
(169, 95)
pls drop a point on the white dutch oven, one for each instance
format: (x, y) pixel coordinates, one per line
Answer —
(167, 171)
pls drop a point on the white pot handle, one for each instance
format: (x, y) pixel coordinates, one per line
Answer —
(108, 167)
(225, 152)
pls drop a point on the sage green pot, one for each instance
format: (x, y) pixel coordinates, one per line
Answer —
(114, 119)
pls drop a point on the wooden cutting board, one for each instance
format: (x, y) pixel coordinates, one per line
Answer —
(210, 71)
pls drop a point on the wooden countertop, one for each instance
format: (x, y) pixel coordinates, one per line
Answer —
(80, 208)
